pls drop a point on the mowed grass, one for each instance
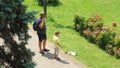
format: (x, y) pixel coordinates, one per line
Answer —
(61, 18)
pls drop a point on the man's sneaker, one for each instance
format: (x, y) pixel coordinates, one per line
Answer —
(46, 50)
(42, 52)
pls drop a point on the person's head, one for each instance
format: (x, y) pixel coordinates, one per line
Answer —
(42, 15)
(57, 33)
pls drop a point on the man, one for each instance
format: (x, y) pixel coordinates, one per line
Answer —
(42, 33)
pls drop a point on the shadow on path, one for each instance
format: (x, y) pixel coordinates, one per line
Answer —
(48, 55)
(51, 56)
(63, 61)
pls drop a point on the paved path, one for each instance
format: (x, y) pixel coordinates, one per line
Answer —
(47, 60)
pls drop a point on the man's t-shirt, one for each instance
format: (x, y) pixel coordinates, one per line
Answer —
(43, 30)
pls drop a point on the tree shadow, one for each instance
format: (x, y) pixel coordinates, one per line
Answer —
(57, 25)
(54, 4)
(49, 3)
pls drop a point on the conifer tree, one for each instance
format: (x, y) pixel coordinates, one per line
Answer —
(14, 22)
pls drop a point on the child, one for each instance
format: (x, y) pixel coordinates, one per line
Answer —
(57, 45)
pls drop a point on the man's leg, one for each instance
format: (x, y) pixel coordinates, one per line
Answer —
(44, 44)
(39, 45)
(40, 41)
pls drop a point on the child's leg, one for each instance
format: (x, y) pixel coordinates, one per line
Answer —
(55, 52)
(55, 56)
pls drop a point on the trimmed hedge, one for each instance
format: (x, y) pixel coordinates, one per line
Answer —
(95, 32)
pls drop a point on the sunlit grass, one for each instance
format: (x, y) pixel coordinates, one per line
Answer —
(61, 18)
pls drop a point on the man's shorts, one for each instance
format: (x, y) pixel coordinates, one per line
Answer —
(41, 37)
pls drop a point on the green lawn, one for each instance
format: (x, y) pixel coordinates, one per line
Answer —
(61, 18)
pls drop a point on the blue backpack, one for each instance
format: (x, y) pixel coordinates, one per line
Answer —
(35, 26)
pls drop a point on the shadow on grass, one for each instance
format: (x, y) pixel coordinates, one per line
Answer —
(54, 4)
(50, 3)
(57, 25)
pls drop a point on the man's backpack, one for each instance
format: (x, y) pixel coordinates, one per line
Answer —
(35, 26)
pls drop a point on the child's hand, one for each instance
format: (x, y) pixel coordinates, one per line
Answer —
(61, 46)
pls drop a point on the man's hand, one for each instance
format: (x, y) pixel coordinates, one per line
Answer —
(42, 24)
(43, 20)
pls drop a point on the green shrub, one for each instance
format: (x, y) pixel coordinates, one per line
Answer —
(86, 33)
(104, 38)
(117, 46)
(95, 18)
(94, 31)
(91, 30)
(110, 49)
(80, 23)
(95, 21)
(117, 41)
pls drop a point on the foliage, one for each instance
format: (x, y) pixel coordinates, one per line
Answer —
(80, 23)
(49, 2)
(117, 46)
(104, 38)
(95, 21)
(40, 2)
(117, 41)
(94, 31)
(87, 53)
(13, 23)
